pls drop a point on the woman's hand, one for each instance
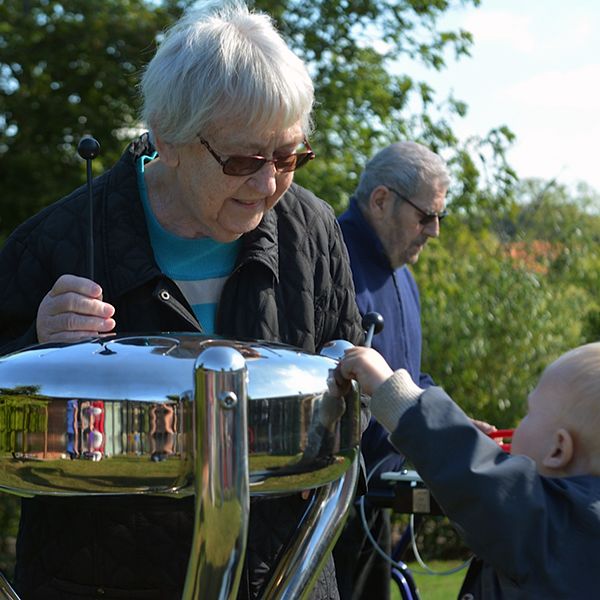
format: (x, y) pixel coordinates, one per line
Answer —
(73, 309)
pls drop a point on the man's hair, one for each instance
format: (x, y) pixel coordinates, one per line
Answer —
(223, 63)
(578, 374)
(404, 166)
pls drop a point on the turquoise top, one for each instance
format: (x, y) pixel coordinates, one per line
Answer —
(198, 266)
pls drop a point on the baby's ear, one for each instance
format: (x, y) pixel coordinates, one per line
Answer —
(561, 452)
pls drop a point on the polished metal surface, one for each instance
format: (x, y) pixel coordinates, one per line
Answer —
(153, 368)
(301, 563)
(6, 590)
(183, 414)
(115, 415)
(222, 490)
(335, 349)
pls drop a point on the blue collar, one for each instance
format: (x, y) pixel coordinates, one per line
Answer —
(369, 240)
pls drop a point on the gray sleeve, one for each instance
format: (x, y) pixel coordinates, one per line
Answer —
(508, 514)
(393, 398)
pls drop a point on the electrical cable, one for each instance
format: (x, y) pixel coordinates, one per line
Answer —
(426, 569)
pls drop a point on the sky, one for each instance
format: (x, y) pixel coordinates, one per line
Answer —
(535, 67)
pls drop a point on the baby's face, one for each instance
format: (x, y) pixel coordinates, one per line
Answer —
(534, 436)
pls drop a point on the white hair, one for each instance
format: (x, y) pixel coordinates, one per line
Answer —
(404, 166)
(223, 63)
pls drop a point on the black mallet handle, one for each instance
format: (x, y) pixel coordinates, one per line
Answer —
(88, 149)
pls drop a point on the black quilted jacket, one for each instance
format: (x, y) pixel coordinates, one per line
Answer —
(292, 283)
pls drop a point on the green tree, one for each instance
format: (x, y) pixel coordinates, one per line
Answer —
(505, 295)
(71, 68)
(497, 308)
(560, 229)
(548, 210)
(66, 69)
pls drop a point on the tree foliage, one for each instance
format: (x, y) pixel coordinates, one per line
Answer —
(66, 69)
(499, 304)
(71, 68)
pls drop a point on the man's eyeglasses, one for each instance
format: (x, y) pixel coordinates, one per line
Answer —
(238, 166)
(428, 216)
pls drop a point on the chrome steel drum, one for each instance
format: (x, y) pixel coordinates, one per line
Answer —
(184, 414)
(115, 416)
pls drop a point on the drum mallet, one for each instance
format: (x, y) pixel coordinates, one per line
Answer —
(88, 149)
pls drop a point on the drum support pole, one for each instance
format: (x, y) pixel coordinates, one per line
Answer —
(6, 590)
(221, 465)
(301, 563)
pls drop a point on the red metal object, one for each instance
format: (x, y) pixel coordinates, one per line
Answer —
(504, 436)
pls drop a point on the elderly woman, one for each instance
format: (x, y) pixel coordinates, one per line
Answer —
(198, 227)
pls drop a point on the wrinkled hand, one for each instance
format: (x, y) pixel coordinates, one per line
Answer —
(73, 309)
(365, 365)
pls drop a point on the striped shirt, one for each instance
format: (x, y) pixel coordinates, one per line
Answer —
(198, 266)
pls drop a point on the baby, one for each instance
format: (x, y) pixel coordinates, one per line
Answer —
(531, 517)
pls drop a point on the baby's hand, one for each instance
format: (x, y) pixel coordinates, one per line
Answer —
(365, 365)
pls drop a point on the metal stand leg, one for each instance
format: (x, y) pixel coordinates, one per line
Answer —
(6, 590)
(222, 489)
(301, 563)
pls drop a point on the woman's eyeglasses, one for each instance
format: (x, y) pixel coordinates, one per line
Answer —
(428, 216)
(238, 166)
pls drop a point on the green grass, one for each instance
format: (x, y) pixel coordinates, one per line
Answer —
(435, 587)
